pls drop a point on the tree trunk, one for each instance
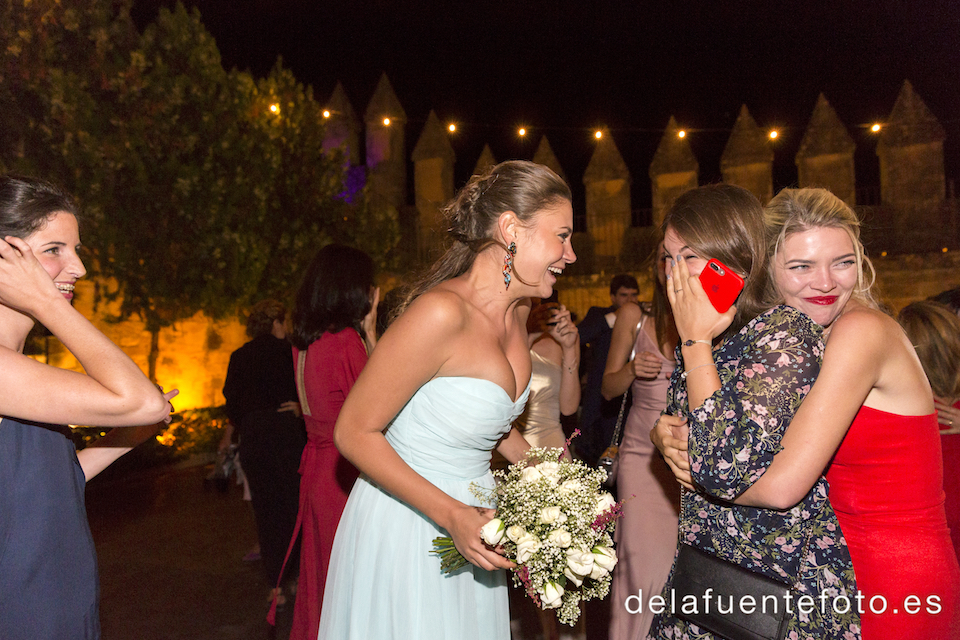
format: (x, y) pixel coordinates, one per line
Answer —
(154, 354)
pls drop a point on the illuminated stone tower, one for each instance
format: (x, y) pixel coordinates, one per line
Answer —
(485, 161)
(747, 160)
(911, 154)
(674, 170)
(825, 158)
(343, 126)
(433, 159)
(607, 182)
(912, 182)
(544, 155)
(386, 147)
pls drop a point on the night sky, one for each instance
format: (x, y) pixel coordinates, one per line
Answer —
(566, 68)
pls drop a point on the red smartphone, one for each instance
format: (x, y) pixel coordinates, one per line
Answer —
(721, 285)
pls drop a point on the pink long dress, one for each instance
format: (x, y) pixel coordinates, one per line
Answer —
(646, 535)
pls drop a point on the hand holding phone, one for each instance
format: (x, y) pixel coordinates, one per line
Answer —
(721, 285)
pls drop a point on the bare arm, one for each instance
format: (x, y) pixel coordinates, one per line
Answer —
(114, 392)
(619, 372)
(412, 351)
(111, 447)
(514, 447)
(565, 335)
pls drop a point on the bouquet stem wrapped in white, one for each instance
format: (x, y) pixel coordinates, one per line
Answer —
(555, 521)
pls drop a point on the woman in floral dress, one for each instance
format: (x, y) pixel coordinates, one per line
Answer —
(740, 377)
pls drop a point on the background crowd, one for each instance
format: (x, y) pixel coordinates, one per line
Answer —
(360, 440)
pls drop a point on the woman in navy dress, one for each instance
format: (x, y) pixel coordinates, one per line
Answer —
(48, 566)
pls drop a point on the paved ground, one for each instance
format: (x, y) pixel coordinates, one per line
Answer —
(170, 552)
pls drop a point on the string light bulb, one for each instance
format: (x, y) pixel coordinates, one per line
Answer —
(598, 134)
(326, 113)
(681, 134)
(773, 134)
(386, 122)
(521, 132)
(876, 127)
(452, 128)
(274, 108)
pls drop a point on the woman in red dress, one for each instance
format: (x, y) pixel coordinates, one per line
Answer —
(869, 423)
(334, 329)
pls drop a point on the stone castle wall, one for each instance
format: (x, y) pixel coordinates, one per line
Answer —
(194, 354)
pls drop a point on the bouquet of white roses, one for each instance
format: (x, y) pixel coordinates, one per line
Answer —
(555, 522)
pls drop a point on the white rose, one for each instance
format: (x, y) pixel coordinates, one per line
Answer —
(549, 515)
(492, 532)
(515, 532)
(569, 486)
(531, 474)
(550, 471)
(561, 538)
(526, 547)
(551, 595)
(604, 560)
(579, 565)
(604, 502)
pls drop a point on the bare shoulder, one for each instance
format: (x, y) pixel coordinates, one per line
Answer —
(441, 311)
(629, 313)
(864, 326)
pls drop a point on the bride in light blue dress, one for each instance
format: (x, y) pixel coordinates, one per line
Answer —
(439, 392)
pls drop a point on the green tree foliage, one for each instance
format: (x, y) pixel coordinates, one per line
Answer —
(313, 201)
(56, 58)
(201, 197)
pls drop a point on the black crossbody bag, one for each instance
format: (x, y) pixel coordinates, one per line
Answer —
(697, 571)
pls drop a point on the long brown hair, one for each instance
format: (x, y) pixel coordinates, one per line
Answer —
(725, 222)
(516, 185)
(934, 331)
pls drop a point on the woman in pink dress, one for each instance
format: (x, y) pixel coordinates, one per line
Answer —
(334, 328)
(646, 535)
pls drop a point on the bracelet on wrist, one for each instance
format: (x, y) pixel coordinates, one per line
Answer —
(690, 343)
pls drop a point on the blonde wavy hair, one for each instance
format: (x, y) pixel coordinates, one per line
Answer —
(797, 210)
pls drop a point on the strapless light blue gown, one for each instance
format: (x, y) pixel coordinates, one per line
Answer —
(383, 582)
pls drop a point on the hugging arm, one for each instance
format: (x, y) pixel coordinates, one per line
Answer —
(850, 365)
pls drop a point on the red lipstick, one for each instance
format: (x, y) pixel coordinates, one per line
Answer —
(823, 300)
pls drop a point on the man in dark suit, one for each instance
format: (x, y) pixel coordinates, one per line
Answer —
(598, 417)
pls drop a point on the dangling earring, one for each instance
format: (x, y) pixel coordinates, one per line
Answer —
(508, 264)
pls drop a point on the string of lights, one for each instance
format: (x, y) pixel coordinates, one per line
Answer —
(523, 131)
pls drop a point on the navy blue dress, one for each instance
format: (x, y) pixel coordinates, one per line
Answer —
(49, 587)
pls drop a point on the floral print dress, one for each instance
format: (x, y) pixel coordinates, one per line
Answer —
(765, 372)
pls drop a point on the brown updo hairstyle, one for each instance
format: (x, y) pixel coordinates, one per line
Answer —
(934, 331)
(519, 186)
(725, 222)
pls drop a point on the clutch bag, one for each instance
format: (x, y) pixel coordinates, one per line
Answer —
(730, 587)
